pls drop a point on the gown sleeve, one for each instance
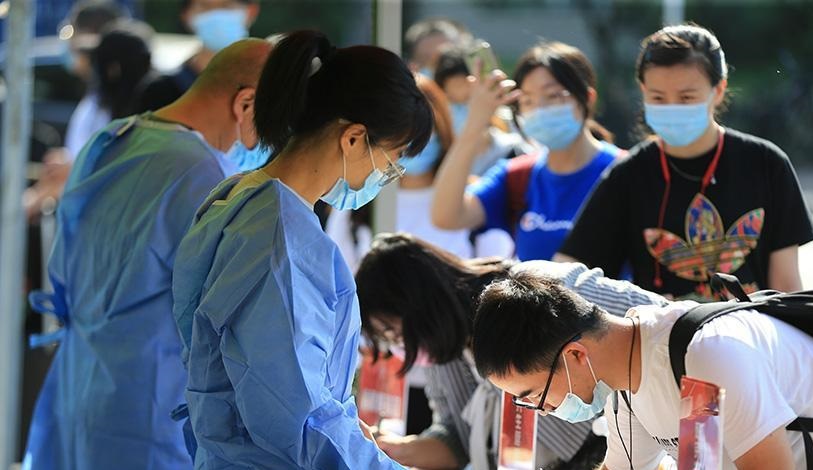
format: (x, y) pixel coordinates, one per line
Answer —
(279, 353)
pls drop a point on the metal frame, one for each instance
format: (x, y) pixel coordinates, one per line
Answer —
(15, 148)
(387, 18)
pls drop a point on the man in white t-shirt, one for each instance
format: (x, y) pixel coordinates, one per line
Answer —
(562, 355)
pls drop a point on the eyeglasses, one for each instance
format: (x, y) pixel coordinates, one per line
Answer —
(393, 172)
(539, 406)
(557, 98)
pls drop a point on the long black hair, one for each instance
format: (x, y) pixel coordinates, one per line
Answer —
(431, 291)
(120, 62)
(308, 84)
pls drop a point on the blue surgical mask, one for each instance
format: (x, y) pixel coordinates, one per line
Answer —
(219, 28)
(427, 72)
(425, 161)
(342, 197)
(248, 159)
(573, 409)
(555, 127)
(678, 124)
(460, 112)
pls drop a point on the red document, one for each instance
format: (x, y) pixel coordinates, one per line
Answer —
(381, 390)
(701, 425)
(517, 437)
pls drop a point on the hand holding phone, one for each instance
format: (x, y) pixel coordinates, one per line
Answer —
(481, 60)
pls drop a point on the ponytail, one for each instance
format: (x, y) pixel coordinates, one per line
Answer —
(288, 73)
(308, 84)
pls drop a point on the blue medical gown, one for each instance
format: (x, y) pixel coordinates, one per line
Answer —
(117, 373)
(268, 311)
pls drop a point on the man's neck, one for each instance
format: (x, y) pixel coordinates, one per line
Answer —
(201, 115)
(612, 355)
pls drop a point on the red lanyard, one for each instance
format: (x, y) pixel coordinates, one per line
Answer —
(667, 177)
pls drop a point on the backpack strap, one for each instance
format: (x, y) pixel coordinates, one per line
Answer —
(687, 325)
(517, 180)
(805, 425)
(722, 281)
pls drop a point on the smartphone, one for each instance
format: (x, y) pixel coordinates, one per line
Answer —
(482, 55)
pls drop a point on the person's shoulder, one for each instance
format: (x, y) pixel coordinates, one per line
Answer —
(643, 151)
(628, 164)
(748, 146)
(657, 320)
(609, 154)
(188, 153)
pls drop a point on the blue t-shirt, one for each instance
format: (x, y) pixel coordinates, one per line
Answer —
(552, 202)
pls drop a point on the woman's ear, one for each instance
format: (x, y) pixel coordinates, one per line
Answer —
(352, 139)
(719, 92)
(592, 97)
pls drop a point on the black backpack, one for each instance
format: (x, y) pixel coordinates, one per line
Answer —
(794, 308)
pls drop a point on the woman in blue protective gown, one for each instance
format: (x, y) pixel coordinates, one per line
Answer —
(266, 307)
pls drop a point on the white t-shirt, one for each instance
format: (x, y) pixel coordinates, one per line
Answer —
(339, 229)
(764, 365)
(87, 119)
(414, 208)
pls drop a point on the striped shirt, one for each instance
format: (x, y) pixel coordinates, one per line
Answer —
(450, 386)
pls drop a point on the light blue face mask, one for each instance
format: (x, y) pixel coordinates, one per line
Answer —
(248, 159)
(342, 197)
(219, 28)
(573, 409)
(425, 161)
(555, 127)
(678, 124)
(427, 72)
(460, 112)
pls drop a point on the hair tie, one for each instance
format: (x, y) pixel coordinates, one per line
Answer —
(316, 64)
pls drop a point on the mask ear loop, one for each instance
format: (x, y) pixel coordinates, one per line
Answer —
(370, 150)
(591, 370)
(567, 373)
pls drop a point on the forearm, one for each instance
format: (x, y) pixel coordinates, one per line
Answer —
(450, 439)
(783, 270)
(448, 207)
(426, 453)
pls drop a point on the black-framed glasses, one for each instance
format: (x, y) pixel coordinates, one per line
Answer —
(539, 406)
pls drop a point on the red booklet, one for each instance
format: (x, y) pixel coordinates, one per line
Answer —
(381, 390)
(517, 437)
(701, 425)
